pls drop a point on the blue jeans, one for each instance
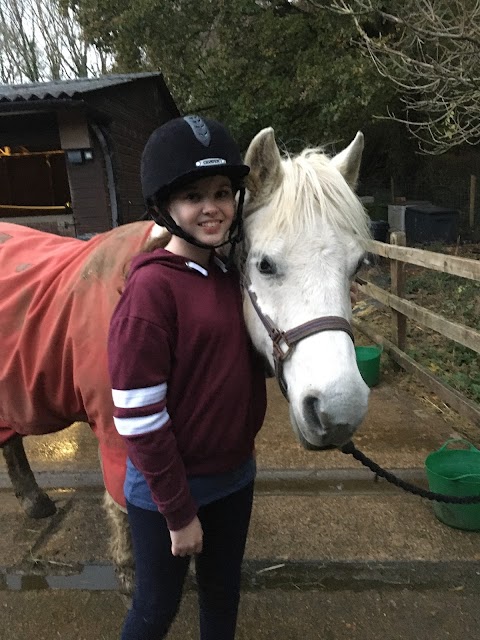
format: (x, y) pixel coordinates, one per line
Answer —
(160, 576)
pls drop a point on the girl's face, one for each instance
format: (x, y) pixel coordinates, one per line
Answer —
(204, 208)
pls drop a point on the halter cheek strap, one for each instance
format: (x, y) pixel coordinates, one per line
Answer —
(284, 342)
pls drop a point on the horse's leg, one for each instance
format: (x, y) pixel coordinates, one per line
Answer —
(113, 458)
(33, 500)
(120, 544)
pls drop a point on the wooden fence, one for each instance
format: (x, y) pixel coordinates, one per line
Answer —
(403, 309)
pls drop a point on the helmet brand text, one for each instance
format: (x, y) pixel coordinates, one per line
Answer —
(210, 161)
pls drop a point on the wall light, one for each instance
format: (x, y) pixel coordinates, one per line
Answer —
(79, 156)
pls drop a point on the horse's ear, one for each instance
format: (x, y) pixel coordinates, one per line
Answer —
(348, 161)
(263, 158)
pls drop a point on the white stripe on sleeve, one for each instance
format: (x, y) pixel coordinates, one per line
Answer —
(142, 424)
(131, 398)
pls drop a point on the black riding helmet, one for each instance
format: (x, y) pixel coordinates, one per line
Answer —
(182, 151)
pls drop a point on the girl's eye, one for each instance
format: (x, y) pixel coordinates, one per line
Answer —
(266, 266)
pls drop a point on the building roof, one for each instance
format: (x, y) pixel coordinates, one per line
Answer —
(66, 89)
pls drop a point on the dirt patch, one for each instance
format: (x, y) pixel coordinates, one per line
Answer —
(4, 237)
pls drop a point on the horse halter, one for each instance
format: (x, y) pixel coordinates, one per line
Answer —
(289, 339)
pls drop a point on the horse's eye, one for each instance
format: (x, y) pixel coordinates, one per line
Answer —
(266, 267)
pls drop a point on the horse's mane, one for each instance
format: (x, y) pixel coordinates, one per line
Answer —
(312, 186)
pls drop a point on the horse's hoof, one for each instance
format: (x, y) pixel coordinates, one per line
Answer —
(40, 507)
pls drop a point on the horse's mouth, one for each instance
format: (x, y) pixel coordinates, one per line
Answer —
(310, 446)
(307, 444)
(327, 447)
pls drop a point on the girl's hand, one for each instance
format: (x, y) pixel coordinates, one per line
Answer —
(189, 540)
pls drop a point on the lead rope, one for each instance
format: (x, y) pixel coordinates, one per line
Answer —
(350, 449)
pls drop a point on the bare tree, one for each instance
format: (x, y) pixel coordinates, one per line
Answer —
(20, 50)
(430, 49)
(41, 40)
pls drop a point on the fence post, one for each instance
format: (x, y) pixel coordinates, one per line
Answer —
(392, 190)
(397, 276)
(473, 188)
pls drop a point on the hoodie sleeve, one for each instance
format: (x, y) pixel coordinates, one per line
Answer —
(139, 355)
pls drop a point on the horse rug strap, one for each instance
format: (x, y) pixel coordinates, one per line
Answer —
(284, 342)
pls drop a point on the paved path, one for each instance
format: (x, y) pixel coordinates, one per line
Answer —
(332, 554)
(378, 614)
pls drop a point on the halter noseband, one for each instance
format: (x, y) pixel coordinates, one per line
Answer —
(289, 339)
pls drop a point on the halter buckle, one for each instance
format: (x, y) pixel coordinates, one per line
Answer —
(280, 339)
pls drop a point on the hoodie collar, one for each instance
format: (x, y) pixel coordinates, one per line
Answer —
(197, 267)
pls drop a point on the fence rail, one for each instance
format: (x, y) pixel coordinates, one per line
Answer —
(403, 309)
(36, 209)
(463, 267)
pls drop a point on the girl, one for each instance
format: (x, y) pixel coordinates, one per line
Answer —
(188, 390)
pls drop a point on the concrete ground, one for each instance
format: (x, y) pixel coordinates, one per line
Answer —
(332, 553)
(264, 615)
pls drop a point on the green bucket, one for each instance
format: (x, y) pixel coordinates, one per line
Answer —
(368, 362)
(455, 472)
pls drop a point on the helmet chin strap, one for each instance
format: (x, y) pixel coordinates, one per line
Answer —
(235, 233)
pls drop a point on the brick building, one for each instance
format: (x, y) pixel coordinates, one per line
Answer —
(70, 150)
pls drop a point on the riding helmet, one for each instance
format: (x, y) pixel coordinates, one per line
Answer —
(186, 149)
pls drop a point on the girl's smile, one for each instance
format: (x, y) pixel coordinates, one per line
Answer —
(205, 209)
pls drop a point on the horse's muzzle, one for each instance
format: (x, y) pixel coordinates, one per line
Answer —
(312, 447)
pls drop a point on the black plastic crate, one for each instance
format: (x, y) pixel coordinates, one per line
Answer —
(379, 230)
(430, 223)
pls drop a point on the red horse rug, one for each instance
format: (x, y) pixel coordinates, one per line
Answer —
(57, 295)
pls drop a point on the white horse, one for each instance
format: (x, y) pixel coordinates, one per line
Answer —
(305, 240)
(305, 236)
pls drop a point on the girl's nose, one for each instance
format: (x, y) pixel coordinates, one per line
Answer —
(210, 206)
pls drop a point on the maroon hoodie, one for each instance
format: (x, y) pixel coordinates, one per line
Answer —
(188, 389)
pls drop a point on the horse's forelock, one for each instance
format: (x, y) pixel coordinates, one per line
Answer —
(311, 186)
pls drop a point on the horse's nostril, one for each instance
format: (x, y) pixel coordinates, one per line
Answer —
(311, 410)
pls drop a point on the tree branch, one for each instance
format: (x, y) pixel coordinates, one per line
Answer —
(431, 53)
